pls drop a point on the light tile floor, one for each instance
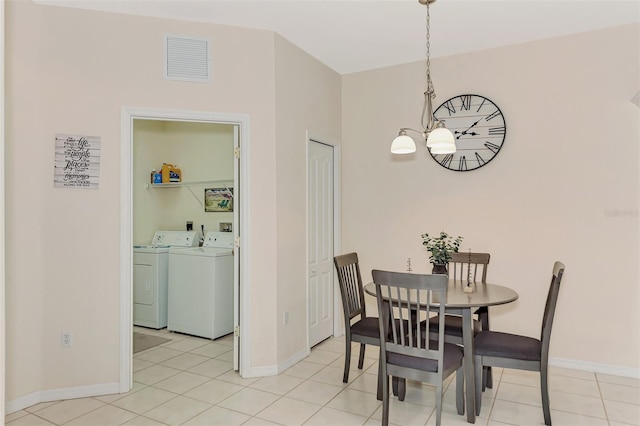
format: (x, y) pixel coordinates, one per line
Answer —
(190, 381)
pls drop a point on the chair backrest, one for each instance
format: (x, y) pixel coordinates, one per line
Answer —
(412, 297)
(350, 282)
(550, 307)
(473, 266)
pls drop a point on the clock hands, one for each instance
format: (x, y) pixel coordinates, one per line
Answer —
(467, 132)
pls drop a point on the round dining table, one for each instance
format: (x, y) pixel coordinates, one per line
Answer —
(462, 303)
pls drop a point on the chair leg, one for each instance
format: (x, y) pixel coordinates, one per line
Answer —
(460, 390)
(484, 378)
(478, 374)
(487, 377)
(380, 378)
(399, 387)
(361, 359)
(544, 388)
(439, 403)
(385, 400)
(402, 388)
(347, 358)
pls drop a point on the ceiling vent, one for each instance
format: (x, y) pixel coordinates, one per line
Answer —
(186, 59)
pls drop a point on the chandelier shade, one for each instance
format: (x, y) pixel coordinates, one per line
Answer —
(441, 139)
(403, 144)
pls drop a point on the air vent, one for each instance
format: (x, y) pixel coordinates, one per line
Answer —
(186, 59)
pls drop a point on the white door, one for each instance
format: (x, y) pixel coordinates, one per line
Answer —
(320, 282)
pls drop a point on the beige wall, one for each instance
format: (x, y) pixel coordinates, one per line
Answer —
(564, 186)
(202, 151)
(308, 99)
(71, 71)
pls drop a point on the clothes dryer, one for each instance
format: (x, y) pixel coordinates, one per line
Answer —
(151, 275)
(201, 287)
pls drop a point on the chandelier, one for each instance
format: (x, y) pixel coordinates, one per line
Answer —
(439, 139)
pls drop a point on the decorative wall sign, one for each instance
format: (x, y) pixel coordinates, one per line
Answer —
(77, 162)
(218, 200)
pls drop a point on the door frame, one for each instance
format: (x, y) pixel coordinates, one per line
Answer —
(2, 223)
(311, 136)
(128, 114)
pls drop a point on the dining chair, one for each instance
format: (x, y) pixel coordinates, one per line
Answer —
(521, 352)
(407, 351)
(464, 267)
(365, 329)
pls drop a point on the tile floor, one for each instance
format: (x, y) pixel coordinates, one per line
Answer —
(189, 381)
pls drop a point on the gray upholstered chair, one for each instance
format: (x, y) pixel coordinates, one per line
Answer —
(463, 267)
(408, 352)
(521, 352)
(365, 329)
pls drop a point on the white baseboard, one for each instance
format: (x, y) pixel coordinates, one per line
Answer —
(292, 360)
(60, 394)
(271, 370)
(274, 370)
(594, 367)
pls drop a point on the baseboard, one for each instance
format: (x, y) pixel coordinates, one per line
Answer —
(292, 360)
(594, 367)
(271, 370)
(60, 394)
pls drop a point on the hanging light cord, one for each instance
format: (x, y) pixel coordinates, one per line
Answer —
(428, 49)
(427, 109)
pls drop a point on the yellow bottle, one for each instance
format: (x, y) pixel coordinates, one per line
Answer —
(171, 173)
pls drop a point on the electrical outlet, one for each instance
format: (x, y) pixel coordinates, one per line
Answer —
(285, 318)
(66, 339)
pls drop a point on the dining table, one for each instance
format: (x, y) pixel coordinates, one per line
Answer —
(462, 302)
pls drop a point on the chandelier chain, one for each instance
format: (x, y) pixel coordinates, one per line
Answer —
(428, 49)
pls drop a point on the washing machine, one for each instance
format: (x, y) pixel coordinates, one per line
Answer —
(201, 287)
(151, 276)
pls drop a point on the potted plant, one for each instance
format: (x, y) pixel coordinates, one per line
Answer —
(441, 248)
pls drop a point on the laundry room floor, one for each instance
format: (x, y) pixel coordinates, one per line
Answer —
(190, 381)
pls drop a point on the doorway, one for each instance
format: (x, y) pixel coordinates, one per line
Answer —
(200, 200)
(240, 124)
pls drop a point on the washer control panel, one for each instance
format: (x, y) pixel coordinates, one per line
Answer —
(218, 239)
(175, 238)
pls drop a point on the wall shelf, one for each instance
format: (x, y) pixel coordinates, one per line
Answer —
(225, 183)
(228, 184)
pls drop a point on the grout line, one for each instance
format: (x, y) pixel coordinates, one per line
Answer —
(495, 388)
(604, 406)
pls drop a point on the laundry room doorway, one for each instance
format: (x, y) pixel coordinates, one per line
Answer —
(203, 151)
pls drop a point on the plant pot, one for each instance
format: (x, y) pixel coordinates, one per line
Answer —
(440, 269)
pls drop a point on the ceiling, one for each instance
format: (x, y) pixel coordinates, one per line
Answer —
(357, 35)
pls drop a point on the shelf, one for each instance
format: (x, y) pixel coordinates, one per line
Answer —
(228, 184)
(224, 183)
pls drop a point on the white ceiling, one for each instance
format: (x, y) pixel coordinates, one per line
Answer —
(356, 35)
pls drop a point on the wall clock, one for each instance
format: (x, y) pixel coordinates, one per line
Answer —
(479, 130)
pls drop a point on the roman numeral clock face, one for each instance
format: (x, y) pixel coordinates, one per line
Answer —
(479, 130)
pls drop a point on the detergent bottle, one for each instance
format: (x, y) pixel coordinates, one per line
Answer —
(171, 173)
